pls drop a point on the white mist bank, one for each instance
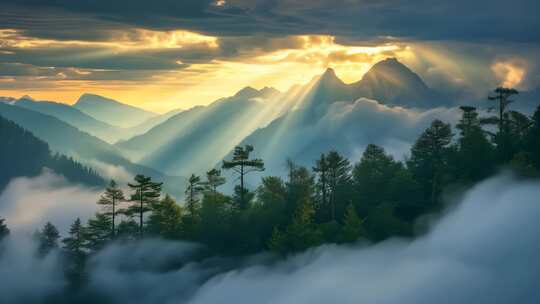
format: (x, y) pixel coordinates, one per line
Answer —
(485, 250)
(28, 203)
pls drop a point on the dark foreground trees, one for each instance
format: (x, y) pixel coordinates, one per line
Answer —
(373, 198)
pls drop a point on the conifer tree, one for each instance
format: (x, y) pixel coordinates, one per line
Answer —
(429, 157)
(74, 245)
(353, 226)
(4, 230)
(321, 170)
(193, 192)
(166, 218)
(98, 232)
(213, 180)
(243, 165)
(339, 177)
(48, 239)
(110, 200)
(146, 193)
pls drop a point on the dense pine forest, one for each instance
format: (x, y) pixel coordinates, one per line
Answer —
(334, 201)
(26, 155)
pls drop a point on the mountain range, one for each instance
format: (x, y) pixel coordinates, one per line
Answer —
(389, 106)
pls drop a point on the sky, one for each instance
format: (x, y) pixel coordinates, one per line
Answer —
(169, 54)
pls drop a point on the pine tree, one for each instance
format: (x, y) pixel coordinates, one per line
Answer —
(213, 180)
(243, 165)
(193, 191)
(503, 139)
(353, 226)
(532, 140)
(110, 200)
(74, 246)
(321, 170)
(146, 193)
(4, 230)
(429, 158)
(48, 239)
(97, 232)
(474, 150)
(339, 177)
(166, 218)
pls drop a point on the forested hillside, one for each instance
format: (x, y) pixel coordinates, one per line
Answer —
(23, 154)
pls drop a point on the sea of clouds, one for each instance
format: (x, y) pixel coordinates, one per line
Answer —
(485, 249)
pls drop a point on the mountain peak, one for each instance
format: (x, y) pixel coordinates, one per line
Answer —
(247, 92)
(268, 91)
(27, 97)
(329, 79)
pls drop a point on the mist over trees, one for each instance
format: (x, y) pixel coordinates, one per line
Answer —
(336, 201)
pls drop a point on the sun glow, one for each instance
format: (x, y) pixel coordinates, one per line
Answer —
(290, 60)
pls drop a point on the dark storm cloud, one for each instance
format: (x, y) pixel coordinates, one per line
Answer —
(363, 19)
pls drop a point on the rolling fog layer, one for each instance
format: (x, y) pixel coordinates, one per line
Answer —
(484, 250)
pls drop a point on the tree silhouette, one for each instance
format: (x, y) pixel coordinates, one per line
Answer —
(4, 230)
(213, 180)
(48, 239)
(193, 190)
(110, 199)
(429, 157)
(321, 170)
(243, 165)
(146, 193)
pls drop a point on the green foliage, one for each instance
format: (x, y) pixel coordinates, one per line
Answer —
(27, 155)
(4, 230)
(47, 239)
(243, 165)
(429, 160)
(353, 226)
(146, 193)
(475, 153)
(300, 234)
(97, 232)
(166, 219)
(74, 246)
(110, 200)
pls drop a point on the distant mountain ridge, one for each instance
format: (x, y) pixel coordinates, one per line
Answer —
(27, 155)
(88, 149)
(111, 111)
(73, 117)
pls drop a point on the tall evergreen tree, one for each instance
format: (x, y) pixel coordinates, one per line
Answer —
(48, 239)
(353, 226)
(146, 193)
(74, 245)
(193, 191)
(166, 218)
(503, 138)
(321, 171)
(474, 153)
(243, 165)
(4, 230)
(429, 157)
(98, 232)
(110, 200)
(213, 180)
(339, 178)
(532, 140)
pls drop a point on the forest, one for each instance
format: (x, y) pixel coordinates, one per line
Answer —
(334, 201)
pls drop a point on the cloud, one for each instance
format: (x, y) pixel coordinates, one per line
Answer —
(28, 203)
(25, 277)
(483, 250)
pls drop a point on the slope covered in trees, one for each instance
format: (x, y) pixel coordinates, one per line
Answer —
(68, 140)
(23, 154)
